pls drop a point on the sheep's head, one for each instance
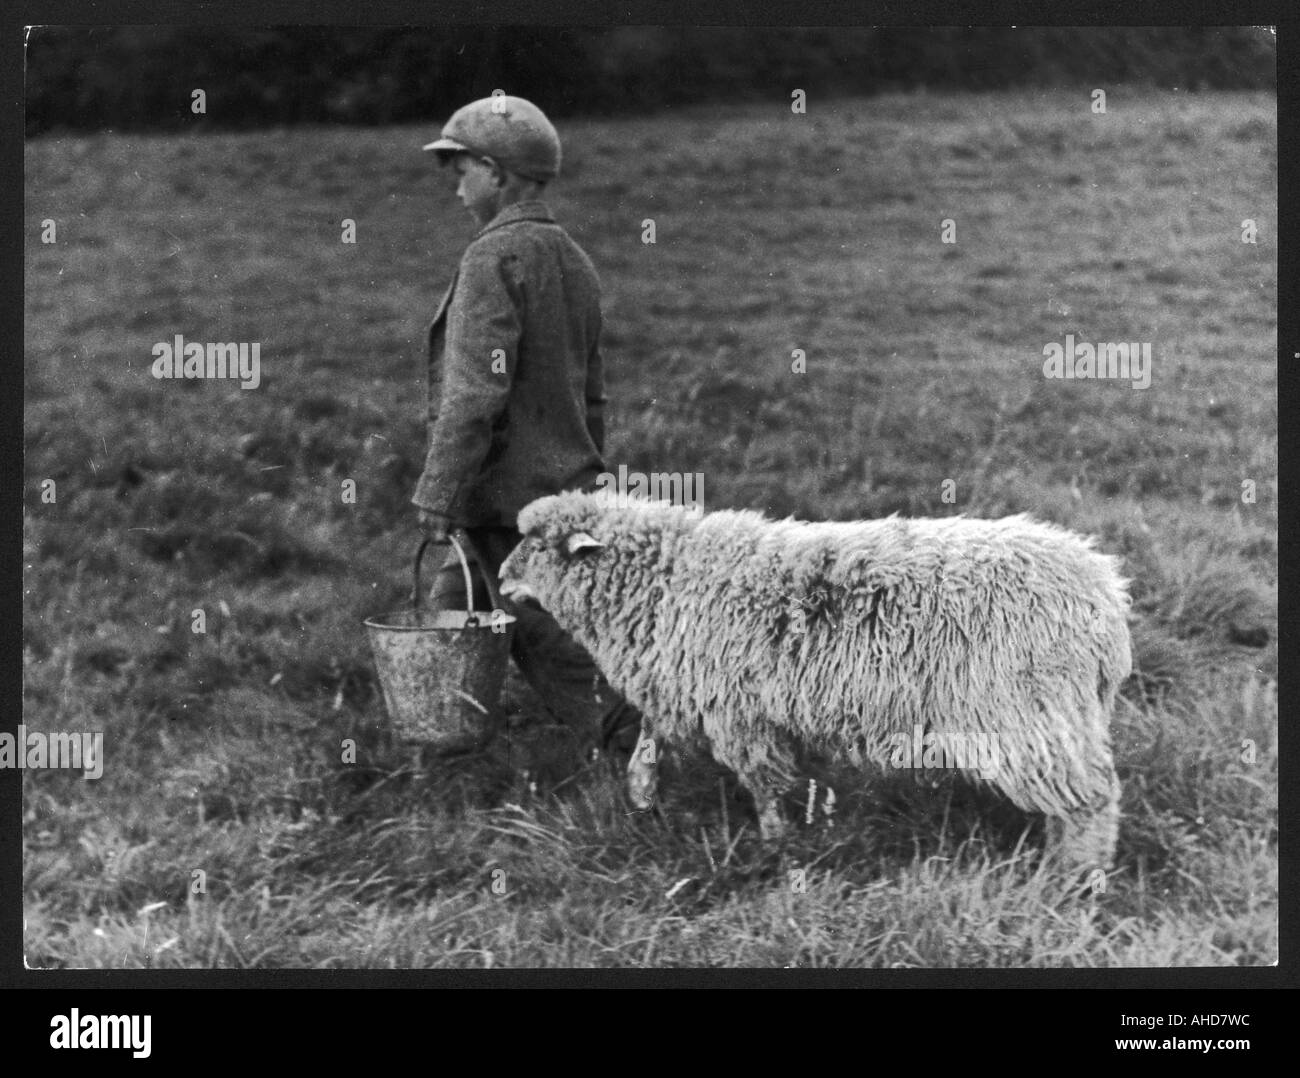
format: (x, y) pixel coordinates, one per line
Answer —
(558, 550)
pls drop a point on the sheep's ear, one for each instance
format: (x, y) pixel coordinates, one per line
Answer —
(580, 542)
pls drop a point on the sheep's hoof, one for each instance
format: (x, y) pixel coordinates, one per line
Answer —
(641, 800)
(642, 785)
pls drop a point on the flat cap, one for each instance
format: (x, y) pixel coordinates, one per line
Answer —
(513, 132)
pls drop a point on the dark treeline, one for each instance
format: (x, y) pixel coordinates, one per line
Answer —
(141, 78)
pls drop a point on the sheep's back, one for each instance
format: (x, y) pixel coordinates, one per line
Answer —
(888, 623)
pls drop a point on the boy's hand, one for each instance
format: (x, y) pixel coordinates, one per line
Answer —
(435, 525)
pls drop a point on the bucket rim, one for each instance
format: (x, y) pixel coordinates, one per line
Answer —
(484, 621)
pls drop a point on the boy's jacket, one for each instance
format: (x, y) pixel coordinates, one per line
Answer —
(516, 385)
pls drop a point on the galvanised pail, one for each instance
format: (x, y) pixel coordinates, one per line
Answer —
(442, 670)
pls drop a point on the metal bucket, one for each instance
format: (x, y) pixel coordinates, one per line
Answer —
(442, 670)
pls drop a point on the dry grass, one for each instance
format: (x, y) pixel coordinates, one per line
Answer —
(924, 364)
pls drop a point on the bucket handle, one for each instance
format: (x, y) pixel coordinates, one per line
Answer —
(471, 621)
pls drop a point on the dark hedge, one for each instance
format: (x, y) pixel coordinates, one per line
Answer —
(141, 78)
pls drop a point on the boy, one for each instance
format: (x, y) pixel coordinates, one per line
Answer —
(516, 389)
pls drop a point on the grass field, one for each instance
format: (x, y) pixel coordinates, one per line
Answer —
(774, 232)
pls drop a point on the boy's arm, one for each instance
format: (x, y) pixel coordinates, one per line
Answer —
(482, 347)
(596, 397)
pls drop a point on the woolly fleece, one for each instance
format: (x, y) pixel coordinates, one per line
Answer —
(761, 635)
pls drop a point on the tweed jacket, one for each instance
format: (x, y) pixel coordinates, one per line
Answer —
(516, 383)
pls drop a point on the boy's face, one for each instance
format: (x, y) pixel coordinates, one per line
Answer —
(478, 188)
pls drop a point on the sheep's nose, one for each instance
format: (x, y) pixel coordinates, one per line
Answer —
(517, 591)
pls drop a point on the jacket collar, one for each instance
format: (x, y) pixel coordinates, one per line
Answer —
(528, 210)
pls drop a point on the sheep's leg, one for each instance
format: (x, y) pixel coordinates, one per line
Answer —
(764, 764)
(771, 824)
(1062, 766)
(643, 772)
(1086, 839)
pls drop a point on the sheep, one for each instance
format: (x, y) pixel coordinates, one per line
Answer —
(852, 638)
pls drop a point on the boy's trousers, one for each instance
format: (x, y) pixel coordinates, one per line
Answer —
(558, 668)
